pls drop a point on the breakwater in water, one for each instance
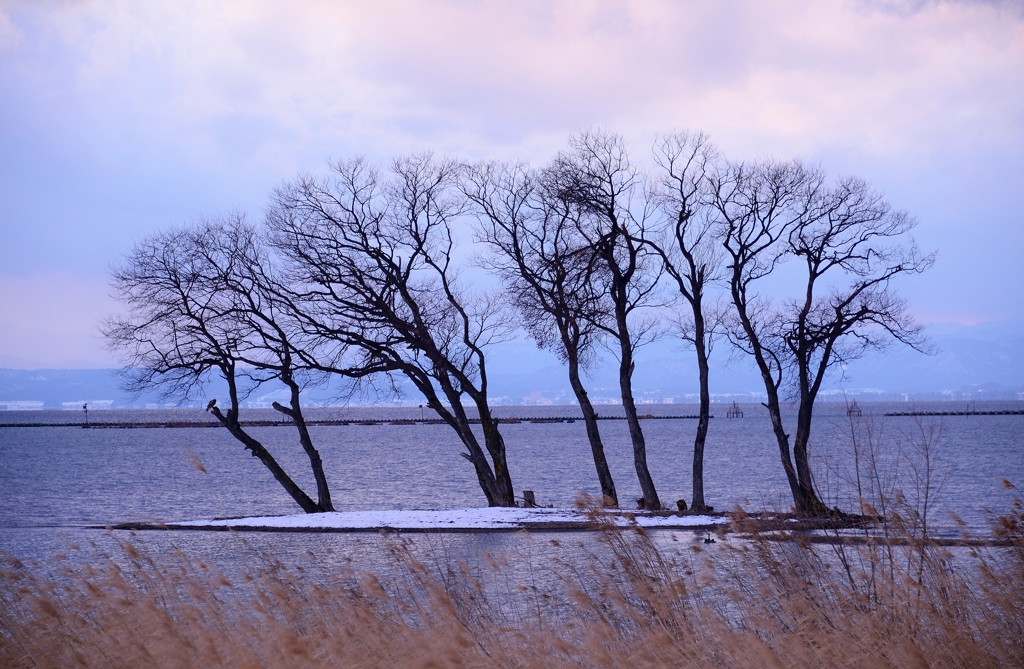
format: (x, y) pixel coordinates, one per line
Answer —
(956, 413)
(328, 423)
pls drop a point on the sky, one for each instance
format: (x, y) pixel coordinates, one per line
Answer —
(119, 119)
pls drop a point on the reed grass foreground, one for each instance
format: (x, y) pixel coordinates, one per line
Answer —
(632, 602)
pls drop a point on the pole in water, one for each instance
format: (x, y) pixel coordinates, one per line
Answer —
(85, 408)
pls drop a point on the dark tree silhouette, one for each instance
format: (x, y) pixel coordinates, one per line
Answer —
(371, 260)
(546, 266)
(850, 245)
(596, 174)
(686, 239)
(203, 299)
(358, 275)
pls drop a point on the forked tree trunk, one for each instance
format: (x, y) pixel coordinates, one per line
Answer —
(604, 475)
(811, 503)
(324, 501)
(497, 491)
(230, 421)
(636, 434)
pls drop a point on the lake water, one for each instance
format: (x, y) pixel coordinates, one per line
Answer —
(56, 480)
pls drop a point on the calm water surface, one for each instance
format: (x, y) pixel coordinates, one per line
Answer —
(55, 480)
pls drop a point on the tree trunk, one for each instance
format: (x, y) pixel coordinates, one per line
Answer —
(484, 474)
(811, 503)
(457, 419)
(636, 434)
(775, 413)
(698, 503)
(604, 475)
(315, 462)
(774, 409)
(231, 423)
(495, 445)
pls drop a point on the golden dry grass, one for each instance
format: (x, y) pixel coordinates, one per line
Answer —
(632, 604)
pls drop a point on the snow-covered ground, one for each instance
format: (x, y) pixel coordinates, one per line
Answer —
(452, 519)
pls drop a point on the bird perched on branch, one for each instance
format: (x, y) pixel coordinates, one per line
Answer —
(211, 404)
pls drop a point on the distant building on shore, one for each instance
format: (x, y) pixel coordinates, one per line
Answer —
(21, 405)
(94, 405)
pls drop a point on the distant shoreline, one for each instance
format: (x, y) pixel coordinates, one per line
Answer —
(332, 422)
(511, 420)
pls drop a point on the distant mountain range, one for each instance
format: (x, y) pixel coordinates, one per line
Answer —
(982, 362)
(985, 361)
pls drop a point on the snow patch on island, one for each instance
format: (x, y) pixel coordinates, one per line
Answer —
(484, 518)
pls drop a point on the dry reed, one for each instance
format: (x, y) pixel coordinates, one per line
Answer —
(755, 602)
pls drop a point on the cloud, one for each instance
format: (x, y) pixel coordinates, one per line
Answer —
(9, 34)
(120, 118)
(475, 76)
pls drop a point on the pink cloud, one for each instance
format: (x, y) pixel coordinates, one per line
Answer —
(460, 75)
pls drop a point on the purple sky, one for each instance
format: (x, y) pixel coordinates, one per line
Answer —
(121, 118)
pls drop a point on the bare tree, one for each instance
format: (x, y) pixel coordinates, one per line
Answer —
(546, 267)
(851, 245)
(372, 262)
(686, 239)
(202, 300)
(596, 174)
